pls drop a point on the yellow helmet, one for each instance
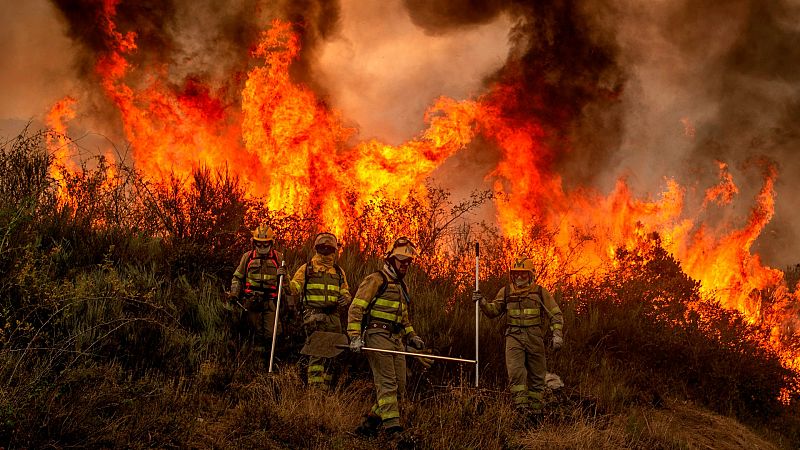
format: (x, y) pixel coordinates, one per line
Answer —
(523, 264)
(402, 247)
(263, 233)
(326, 239)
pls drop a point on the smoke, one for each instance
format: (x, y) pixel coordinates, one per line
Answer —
(37, 60)
(712, 81)
(384, 74)
(621, 87)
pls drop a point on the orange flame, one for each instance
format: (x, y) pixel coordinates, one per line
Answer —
(291, 149)
(57, 142)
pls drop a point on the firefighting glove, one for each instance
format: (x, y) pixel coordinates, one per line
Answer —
(416, 342)
(356, 343)
(558, 340)
(343, 301)
(282, 271)
(477, 296)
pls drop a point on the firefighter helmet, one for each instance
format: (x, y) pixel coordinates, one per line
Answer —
(326, 239)
(263, 233)
(523, 264)
(403, 248)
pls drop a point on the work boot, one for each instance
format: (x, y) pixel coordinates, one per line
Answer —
(369, 427)
(524, 418)
(534, 418)
(394, 430)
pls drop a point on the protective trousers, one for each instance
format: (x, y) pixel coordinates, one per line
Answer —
(388, 373)
(525, 362)
(320, 372)
(260, 325)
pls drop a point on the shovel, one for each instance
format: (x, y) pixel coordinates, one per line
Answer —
(323, 344)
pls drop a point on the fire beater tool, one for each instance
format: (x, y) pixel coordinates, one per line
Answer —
(327, 344)
(419, 355)
(277, 315)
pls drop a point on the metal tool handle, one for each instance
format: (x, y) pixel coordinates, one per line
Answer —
(477, 313)
(277, 315)
(419, 355)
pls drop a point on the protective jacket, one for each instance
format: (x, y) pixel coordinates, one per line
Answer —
(256, 282)
(380, 312)
(322, 287)
(257, 274)
(525, 309)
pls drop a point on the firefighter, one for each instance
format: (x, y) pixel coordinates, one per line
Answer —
(525, 303)
(255, 287)
(322, 286)
(379, 318)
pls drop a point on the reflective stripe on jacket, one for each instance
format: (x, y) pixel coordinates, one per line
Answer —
(524, 307)
(389, 307)
(260, 274)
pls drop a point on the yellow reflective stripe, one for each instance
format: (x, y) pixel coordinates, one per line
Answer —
(316, 368)
(523, 312)
(383, 315)
(321, 298)
(518, 387)
(258, 276)
(387, 400)
(238, 274)
(318, 379)
(535, 395)
(361, 303)
(295, 285)
(353, 326)
(387, 303)
(390, 415)
(408, 330)
(321, 287)
(555, 311)
(556, 326)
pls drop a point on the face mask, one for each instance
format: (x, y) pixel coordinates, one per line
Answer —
(263, 249)
(325, 250)
(521, 281)
(401, 266)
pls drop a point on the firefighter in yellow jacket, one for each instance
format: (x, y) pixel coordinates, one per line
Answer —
(322, 286)
(255, 286)
(379, 318)
(525, 303)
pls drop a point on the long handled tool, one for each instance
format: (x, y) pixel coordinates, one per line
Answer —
(277, 315)
(418, 355)
(327, 344)
(477, 313)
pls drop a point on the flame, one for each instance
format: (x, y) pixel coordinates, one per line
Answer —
(724, 191)
(292, 150)
(57, 141)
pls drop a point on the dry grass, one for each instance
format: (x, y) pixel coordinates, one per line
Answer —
(116, 337)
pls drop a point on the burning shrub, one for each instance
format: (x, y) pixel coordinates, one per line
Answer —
(648, 313)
